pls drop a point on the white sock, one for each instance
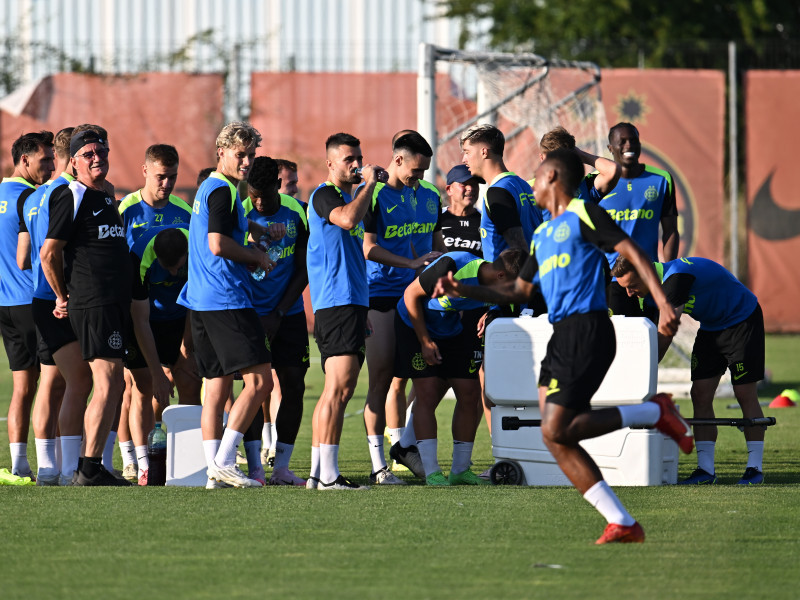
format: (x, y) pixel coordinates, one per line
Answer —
(314, 462)
(328, 463)
(210, 449)
(19, 458)
(226, 455)
(266, 435)
(252, 450)
(755, 454)
(58, 453)
(141, 458)
(70, 451)
(283, 453)
(462, 456)
(128, 453)
(46, 457)
(646, 413)
(108, 451)
(395, 435)
(409, 437)
(607, 504)
(375, 443)
(274, 430)
(428, 450)
(705, 456)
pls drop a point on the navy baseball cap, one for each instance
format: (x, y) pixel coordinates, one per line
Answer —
(460, 174)
(82, 139)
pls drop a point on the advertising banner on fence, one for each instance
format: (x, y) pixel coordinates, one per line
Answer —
(772, 125)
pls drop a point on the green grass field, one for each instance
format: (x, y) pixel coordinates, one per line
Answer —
(414, 542)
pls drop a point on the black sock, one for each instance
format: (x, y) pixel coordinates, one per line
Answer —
(91, 465)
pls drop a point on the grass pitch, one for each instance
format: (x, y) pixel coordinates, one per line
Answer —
(413, 542)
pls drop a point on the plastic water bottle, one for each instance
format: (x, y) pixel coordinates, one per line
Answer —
(157, 456)
(274, 251)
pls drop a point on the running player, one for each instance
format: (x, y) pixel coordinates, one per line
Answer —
(337, 278)
(33, 158)
(226, 331)
(643, 200)
(568, 266)
(389, 225)
(92, 287)
(278, 301)
(731, 336)
(437, 352)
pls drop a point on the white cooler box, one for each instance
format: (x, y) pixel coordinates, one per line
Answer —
(514, 352)
(186, 462)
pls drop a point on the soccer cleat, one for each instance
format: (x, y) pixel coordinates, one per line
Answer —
(47, 480)
(699, 477)
(385, 477)
(466, 478)
(622, 534)
(258, 475)
(212, 484)
(752, 476)
(312, 483)
(130, 472)
(232, 475)
(408, 457)
(241, 459)
(673, 424)
(398, 468)
(103, 478)
(341, 483)
(283, 476)
(65, 480)
(143, 477)
(437, 478)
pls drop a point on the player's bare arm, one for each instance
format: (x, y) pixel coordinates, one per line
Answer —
(608, 171)
(24, 250)
(515, 238)
(351, 214)
(505, 292)
(140, 316)
(670, 237)
(52, 259)
(225, 247)
(376, 253)
(415, 297)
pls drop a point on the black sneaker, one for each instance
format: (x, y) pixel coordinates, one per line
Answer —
(101, 478)
(408, 457)
(341, 484)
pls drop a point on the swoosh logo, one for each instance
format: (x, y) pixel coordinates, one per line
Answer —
(770, 221)
(739, 376)
(135, 225)
(95, 213)
(388, 210)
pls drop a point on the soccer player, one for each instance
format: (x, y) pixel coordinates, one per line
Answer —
(84, 258)
(509, 215)
(566, 259)
(226, 331)
(642, 200)
(50, 393)
(337, 278)
(731, 336)
(33, 158)
(459, 225)
(437, 352)
(278, 301)
(287, 173)
(593, 186)
(389, 224)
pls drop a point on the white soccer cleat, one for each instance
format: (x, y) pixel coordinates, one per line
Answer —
(386, 477)
(232, 476)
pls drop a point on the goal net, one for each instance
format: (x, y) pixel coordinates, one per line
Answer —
(524, 95)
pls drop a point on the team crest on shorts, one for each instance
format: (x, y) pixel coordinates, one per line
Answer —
(418, 362)
(115, 341)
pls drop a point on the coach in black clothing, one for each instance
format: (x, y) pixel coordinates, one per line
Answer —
(92, 287)
(459, 226)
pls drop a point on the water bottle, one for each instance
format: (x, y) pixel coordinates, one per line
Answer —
(157, 456)
(274, 251)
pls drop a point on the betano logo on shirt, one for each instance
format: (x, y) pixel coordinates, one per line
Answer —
(555, 261)
(398, 230)
(104, 231)
(630, 214)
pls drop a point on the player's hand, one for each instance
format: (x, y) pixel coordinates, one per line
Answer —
(431, 354)
(424, 260)
(482, 324)
(374, 173)
(60, 311)
(668, 320)
(261, 260)
(276, 231)
(446, 286)
(162, 388)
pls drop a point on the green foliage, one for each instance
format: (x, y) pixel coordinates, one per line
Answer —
(618, 32)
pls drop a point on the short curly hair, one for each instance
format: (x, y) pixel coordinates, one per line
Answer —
(238, 133)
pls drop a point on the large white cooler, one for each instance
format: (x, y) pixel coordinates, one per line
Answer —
(512, 358)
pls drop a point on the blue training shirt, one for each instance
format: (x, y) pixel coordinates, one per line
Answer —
(16, 285)
(138, 216)
(530, 216)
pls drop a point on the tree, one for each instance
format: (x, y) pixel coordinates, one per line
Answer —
(665, 33)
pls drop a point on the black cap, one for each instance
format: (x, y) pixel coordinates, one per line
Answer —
(460, 174)
(82, 139)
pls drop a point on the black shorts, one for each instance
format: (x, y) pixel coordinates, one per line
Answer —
(226, 341)
(167, 335)
(341, 330)
(739, 348)
(52, 333)
(101, 330)
(578, 357)
(19, 336)
(383, 303)
(461, 355)
(289, 347)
